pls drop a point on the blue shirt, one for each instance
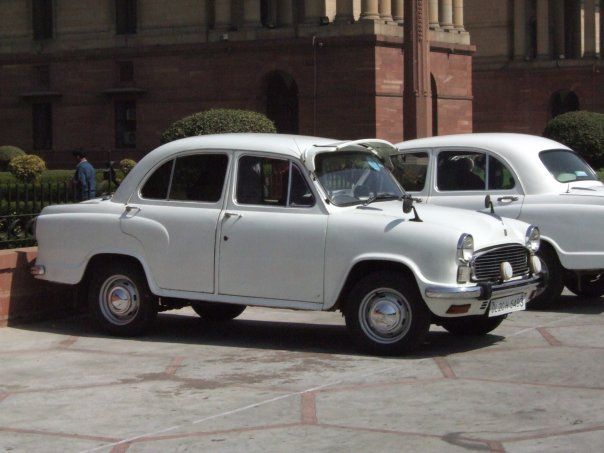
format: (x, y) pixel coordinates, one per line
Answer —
(86, 177)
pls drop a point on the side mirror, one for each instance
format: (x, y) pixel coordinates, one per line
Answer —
(407, 205)
(487, 201)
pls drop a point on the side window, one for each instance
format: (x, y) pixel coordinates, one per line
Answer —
(262, 181)
(199, 178)
(156, 187)
(410, 170)
(500, 176)
(461, 170)
(300, 194)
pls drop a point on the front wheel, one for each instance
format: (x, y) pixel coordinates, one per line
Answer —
(471, 325)
(120, 300)
(386, 314)
(591, 285)
(552, 274)
(217, 312)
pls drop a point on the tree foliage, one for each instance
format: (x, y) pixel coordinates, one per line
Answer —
(7, 153)
(218, 121)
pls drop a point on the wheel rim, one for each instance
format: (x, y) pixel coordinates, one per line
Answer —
(385, 315)
(119, 300)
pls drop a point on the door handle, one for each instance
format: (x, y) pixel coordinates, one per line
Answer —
(508, 198)
(228, 215)
(132, 210)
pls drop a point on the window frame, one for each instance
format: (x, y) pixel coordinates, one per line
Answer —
(170, 202)
(292, 161)
(48, 115)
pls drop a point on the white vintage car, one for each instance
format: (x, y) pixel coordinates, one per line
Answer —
(530, 178)
(221, 222)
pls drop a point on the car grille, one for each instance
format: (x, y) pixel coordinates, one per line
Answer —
(487, 264)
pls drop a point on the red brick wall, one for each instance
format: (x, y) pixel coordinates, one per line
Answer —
(23, 298)
(518, 99)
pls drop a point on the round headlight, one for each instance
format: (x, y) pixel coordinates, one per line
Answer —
(532, 238)
(465, 248)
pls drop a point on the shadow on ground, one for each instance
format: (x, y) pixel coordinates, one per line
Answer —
(576, 306)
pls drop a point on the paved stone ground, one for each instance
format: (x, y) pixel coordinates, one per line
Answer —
(277, 380)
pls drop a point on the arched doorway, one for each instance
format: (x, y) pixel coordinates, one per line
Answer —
(563, 101)
(282, 102)
(434, 90)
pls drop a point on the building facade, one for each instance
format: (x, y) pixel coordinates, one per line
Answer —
(535, 59)
(111, 75)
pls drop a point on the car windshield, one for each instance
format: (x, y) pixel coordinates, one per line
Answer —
(353, 177)
(567, 166)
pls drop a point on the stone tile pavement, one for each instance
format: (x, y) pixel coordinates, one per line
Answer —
(277, 380)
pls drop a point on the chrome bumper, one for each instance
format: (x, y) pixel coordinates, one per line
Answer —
(484, 291)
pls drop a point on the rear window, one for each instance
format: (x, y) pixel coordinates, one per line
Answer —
(567, 166)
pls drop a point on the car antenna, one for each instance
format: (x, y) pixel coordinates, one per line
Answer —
(489, 204)
(408, 207)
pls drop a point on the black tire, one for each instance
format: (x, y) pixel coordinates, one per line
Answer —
(591, 285)
(120, 300)
(395, 296)
(472, 325)
(553, 275)
(217, 312)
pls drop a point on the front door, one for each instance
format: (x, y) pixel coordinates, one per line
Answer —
(272, 237)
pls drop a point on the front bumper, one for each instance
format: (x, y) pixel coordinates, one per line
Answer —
(484, 291)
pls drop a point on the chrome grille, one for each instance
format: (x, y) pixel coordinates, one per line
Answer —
(487, 264)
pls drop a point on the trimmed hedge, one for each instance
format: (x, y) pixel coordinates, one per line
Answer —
(27, 168)
(7, 153)
(218, 121)
(582, 131)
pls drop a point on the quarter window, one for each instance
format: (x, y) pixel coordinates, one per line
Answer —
(300, 194)
(199, 178)
(500, 176)
(156, 187)
(410, 170)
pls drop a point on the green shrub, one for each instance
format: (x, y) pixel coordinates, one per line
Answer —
(218, 121)
(27, 168)
(582, 131)
(126, 165)
(7, 153)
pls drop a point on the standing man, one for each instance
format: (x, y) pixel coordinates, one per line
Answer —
(85, 177)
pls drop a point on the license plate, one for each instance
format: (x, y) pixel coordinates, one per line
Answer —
(508, 304)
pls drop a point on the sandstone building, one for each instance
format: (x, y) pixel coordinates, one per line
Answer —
(110, 75)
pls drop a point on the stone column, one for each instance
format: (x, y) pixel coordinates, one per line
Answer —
(519, 29)
(458, 14)
(385, 9)
(285, 13)
(590, 29)
(344, 11)
(543, 44)
(433, 11)
(222, 14)
(369, 10)
(445, 14)
(313, 10)
(251, 14)
(398, 11)
(559, 31)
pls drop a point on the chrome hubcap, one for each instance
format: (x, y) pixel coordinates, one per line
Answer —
(119, 300)
(385, 315)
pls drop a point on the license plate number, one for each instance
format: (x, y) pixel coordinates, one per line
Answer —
(508, 304)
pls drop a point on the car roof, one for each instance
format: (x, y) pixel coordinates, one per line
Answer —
(506, 144)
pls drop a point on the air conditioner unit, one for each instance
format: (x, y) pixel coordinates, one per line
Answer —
(129, 138)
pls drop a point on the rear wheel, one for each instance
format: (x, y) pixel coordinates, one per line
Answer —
(386, 314)
(120, 300)
(217, 312)
(472, 325)
(552, 274)
(591, 285)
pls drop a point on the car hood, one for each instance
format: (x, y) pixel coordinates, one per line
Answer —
(488, 230)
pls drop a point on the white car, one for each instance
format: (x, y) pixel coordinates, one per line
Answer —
(221, 222)
(530, 178)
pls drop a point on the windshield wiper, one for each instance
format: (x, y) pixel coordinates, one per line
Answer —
(381, 197)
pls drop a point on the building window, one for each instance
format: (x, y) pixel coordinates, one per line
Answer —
(42, 19)
(42, 126)
(42, 77)
(125, 124)
(125, 17)
(125, 71)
